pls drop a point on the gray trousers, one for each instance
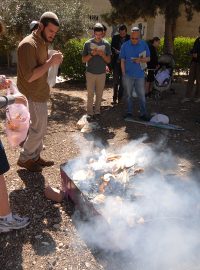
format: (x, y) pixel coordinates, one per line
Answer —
(37, 130)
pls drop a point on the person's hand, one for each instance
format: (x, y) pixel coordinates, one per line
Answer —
(4, 83)
(20, 99)
(56, 58)
(136, 60)
(94, 52)
(100, 53)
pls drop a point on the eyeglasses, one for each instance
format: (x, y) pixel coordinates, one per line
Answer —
(134, 38)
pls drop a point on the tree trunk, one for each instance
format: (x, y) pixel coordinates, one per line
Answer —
(170, 26)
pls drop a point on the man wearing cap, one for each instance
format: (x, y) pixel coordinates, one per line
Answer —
(96, 55)
(32, 69)
(34, 25)
(116, 44)
(134, 55)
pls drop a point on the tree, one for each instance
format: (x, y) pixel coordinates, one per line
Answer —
(130, 10)
(17, 15)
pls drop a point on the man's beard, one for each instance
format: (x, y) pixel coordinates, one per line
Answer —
(44, 37)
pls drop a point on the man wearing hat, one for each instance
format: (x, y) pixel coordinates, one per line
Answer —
(134, 55)
(33, 25)
(32, 70)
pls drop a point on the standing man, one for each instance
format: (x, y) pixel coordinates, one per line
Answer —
(116, 44)
(134, 55)
(32, 69)
(194, 74)
(96, 54)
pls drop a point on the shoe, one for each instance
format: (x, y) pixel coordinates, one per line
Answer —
(44, 163)
(89, 117)
(31, 165)
(15, 223)
(185, 100)
(128, 115)
(97, 116)
(114, 102)
(145, 118)
(197, 100)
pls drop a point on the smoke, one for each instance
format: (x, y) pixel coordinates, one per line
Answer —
(153, 218)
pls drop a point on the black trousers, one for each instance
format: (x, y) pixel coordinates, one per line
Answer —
(117, 82)
(4, 166)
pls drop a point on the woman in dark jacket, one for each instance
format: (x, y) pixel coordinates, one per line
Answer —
(8, 221)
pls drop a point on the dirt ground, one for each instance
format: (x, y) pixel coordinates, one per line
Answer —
(52, 241)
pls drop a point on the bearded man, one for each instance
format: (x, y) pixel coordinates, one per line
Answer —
(32, 71)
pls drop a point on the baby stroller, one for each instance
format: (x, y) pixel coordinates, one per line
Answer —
(163, 75)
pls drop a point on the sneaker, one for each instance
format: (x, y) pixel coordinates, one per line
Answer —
(185, 100)
(44, 163)
(128, 115)
(145, 118)
(30, 165)
(15, 223)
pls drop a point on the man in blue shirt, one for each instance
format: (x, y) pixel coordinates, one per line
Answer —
(134, 55)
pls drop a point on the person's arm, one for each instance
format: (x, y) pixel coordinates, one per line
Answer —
(122, 57)
(86, 55)
(86, 58)
(10, 99)
(123, 67)
(55, 59)
(106, 58)
(6, 100)
(27, 62)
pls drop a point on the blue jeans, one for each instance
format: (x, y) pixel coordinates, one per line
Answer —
(137, 84)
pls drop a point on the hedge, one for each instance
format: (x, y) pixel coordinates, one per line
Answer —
(73, 67)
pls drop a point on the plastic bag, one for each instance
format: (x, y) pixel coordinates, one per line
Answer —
(53, 71)
(17, 120)
(160, 118)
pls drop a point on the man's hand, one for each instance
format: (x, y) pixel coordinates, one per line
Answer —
(94, 52)
(4, 83)
(101, 53)
(56, 58)
(20, 99)
(136, 60)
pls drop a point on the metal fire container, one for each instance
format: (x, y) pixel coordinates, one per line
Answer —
(73, 191)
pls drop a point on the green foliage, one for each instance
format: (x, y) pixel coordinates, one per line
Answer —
(17, 15)
(72, 65)
(182, 48)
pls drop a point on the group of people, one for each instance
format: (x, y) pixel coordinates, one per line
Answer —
(128, 56)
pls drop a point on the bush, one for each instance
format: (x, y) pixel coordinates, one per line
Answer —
(182, 48)
(73, 67)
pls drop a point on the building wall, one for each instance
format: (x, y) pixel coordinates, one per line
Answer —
(97, 9)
